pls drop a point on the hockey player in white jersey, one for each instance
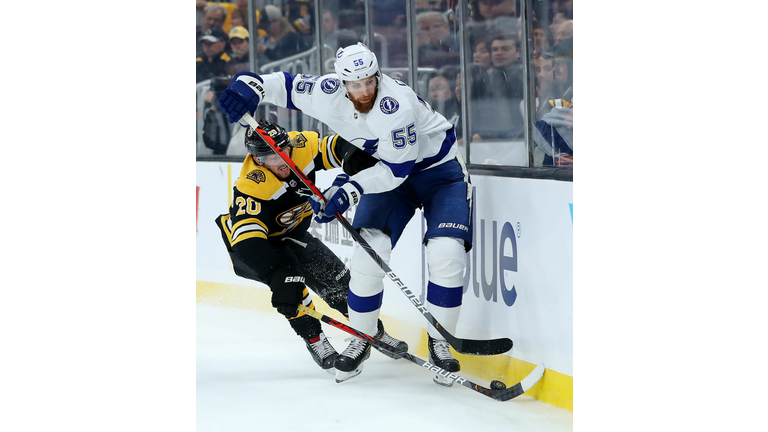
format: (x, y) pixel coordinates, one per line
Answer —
(419, 167)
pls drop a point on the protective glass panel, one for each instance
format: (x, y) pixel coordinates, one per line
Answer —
(496, 84)
(552, 38)
(285, 40)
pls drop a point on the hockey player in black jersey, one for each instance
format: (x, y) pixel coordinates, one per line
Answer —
(266, 229)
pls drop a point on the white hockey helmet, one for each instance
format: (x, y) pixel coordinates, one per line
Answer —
(356, 62)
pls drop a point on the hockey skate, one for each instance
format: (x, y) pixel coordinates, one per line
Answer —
(322, 352)
(382, 336)
(349, 363)
(440, 356)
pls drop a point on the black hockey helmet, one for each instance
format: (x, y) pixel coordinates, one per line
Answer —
(256, 140)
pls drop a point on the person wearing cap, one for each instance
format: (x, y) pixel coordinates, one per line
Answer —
(281, 40)
(213, 60)
(238, 40)
(214, 15)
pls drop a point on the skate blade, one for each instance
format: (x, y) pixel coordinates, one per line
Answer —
(342, 376)
(443, 381)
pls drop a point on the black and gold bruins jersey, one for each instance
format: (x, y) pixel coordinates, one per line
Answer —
(266, 209)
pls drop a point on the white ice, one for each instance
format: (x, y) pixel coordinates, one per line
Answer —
(255, 374)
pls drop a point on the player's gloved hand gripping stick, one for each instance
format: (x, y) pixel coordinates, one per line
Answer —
(464, 346)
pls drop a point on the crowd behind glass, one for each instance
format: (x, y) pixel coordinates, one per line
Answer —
(285, 38)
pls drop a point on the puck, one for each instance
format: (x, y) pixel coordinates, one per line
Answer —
(498, 385)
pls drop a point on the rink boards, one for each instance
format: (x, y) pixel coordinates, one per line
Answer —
(519, 283)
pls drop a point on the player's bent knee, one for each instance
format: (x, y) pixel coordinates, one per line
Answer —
(446, 259)
(362, 264)
(367, 277)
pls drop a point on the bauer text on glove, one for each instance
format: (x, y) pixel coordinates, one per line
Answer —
(287, 286)
(341, 195)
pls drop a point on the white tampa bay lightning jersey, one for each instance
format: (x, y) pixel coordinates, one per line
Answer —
(401, 130)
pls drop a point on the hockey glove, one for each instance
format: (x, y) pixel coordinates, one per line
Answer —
(287, 285)
(340, 196)
(356, 160)
(242, 96)
(318, 207)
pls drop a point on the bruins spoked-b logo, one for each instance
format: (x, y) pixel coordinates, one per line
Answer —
(300, 141)
(388, 105)
(257, 176)
(329, 85)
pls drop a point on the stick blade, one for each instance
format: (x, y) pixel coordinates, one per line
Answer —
(481, 347)
(521, 387)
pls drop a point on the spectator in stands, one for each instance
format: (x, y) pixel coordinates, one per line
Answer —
(557, 19)
(330, 30)
(507, 74)
(429, 5)
(499, 15)
(540, 39)
(481, 55)
(490, 9)
(213, 60)
(239, 40)
(242, 11)
(214, 15)
(281, 40)
(564, 31)
(239, 18)
(554, 131)
(301, 15)
(437, 46)
(506, 80)
(442, 96)
(564, 6)
(330, 22)
(544, 87)
(545, 84)
(200, 5)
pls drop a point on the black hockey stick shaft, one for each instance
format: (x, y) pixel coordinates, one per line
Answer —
(499, 395)
(464, 346)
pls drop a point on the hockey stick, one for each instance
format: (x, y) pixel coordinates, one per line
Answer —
(500, 393)
(464, 346)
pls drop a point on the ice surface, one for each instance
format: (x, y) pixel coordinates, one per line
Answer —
(255, 374)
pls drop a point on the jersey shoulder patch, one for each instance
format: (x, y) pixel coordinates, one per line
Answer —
(389, 105)
(257, 181)
(306, 145)
(330, 85)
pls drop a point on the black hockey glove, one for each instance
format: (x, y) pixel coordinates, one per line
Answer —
(287, 285)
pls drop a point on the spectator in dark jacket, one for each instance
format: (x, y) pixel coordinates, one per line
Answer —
(213, 60)
(506, 80)
(437, 45)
